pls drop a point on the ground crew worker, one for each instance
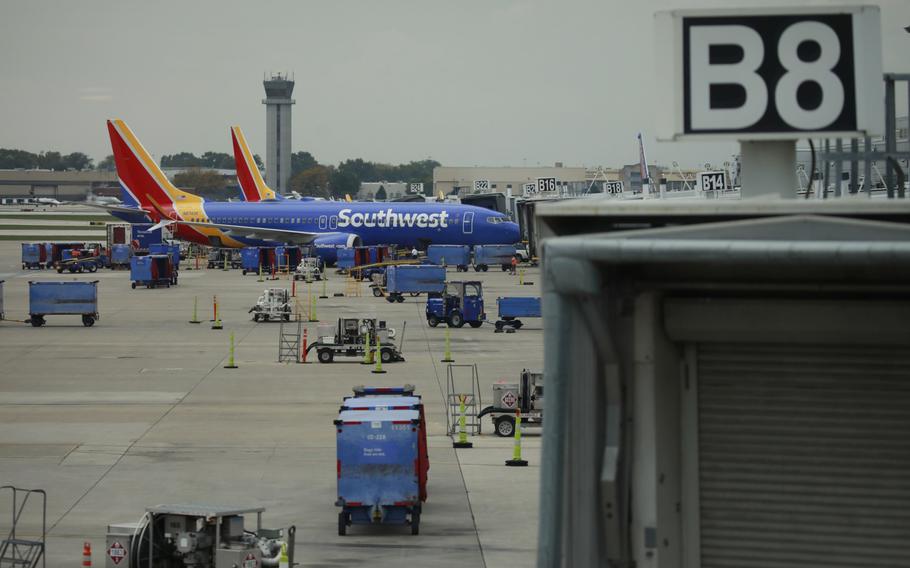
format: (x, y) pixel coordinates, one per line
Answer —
(514, 265)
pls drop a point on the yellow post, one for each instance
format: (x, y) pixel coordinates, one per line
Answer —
(516, 445)
(283, 560)
(378, 370)
(225, 263)
(521, 276)
(260, 273)
(313, 317)
(447, 356)
(195, 314)
(231, 364)
(462, 428)
(324, 294)
(367, 354)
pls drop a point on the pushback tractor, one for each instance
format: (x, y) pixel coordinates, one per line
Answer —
(355, 337)
(460, 303)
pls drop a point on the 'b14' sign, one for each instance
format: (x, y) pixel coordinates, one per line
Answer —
(773, 74)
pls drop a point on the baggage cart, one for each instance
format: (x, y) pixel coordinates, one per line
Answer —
(413, 279)
(398, 402)
(120, 256)
(512, 308)
(55, 252)
(63, 298)
(152, 271)
(486, 256)
(78, 260)
(458, 256)
(378, 468)
(345, 258)
(172, 250)
(34, 256)
(252, 259)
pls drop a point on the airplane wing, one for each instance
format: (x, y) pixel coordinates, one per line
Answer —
(264, 233)
(118, 209)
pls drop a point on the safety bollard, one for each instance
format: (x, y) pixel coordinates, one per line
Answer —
(293, 288)
(521, 276)
(216, 323)
(462, 428)
(273, 274)
(231, 364)
(516, 460)
(86, 553)
(197, 262)
(195, 305)
(324, 294)
(225, 263)
(367, 353)
(303, 349)
(313, 317)
(378, 370)
(447, 356)
(283, 560)
(260, 273)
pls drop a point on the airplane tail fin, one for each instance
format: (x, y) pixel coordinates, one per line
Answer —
(252, 186)
(142, 182)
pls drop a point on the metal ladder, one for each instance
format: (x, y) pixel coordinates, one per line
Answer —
(470, 389)
(289, 344)
(20, 552)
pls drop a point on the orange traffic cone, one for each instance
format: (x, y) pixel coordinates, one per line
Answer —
(86, 554)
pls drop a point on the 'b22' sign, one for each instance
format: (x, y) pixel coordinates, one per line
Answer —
(778, 72)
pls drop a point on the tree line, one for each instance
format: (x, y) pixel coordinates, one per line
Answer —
(308, 176)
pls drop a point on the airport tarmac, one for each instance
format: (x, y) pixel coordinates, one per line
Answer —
(138, 410)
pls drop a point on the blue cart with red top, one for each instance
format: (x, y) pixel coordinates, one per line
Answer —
(378, 467)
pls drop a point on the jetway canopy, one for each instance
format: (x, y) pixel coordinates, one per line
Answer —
(728, 393)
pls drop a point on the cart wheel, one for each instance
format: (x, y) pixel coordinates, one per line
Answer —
(485, 267)
(92, 267)
(256, 317)
(432, 321)
(400, 299)
(377, 292)
(386, 355)
(517, 324)
(133, 285)
(475, 324)
(244, 272)
(60, 270)
(390, 299)
(415, 521)
(414, 294)
(36, 321)
(287, 317)
(476, 268)
(505, 426)
(456, 319)
(88, 321)
(326, 355)
(265, 317)
(342, 523)
(498, 326)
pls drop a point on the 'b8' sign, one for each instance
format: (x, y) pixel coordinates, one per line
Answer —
(776, 73)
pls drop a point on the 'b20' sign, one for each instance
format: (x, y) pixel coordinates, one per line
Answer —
(777, 73)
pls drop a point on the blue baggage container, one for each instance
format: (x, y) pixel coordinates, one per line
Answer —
(414, 279)
(34, 255)
(486, 256)
(120, 255)
(378, 468)
(63, 298)
(145, 238)
(345, 258)
(152, 270)
(512, 308)
(458, 256)
(249, 259)
(172, 250)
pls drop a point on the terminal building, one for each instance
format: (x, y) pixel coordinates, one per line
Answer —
(63, 186)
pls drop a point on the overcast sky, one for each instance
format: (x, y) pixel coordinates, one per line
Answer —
(486, 82)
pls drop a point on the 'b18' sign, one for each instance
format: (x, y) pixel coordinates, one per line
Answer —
(775, 73)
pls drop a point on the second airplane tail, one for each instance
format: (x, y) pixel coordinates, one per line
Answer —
(252, 186)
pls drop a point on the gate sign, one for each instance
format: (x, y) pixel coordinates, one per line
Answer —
(117, 553)
(546, 184)
(416, 188)
(712, 181)
(613, 186)
(529, 188)
(772, 74)
(481, 185)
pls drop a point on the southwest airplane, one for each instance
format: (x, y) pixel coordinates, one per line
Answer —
(327, 225)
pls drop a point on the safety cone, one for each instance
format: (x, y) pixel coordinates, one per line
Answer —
(303, 349)
(283, 560)
(195, 305)
(447, 356)
(231, 364)
(260, 273)
(367, 353)
(313, 317)
(516, 460)
(378, 370)
(216, 323)
(462, 428)
(294, 288)
(86, 553)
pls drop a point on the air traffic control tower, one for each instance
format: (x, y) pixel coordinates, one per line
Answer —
(278, 101)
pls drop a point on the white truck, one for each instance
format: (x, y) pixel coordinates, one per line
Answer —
(273, 304)
(526, 395)
(308, 269)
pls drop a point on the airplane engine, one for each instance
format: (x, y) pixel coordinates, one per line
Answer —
(326, 246)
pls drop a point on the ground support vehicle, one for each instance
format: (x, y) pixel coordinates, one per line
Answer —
(144, 237)
(79, 260)
(512, 308)
(486, 256)
(254, 259)
(460, 303)
(525, 395)
(152, 271)
(34, 256)
(378, 465)
(352, 337)
(309, 269)
(63, 298)
(398, 402)
(55, 252)
(120, 255)
(413, 279)
(272, 305)
(458, 256)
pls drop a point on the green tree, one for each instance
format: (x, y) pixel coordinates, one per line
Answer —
(344, 183)
(107, 164)
(300, 161)
(314, 182)
(15, 159)
(206, 183)
(76, 161)
(218, 160)
(180, 160)
(50, 161)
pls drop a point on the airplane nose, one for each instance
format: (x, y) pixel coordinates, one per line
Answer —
(513, 232)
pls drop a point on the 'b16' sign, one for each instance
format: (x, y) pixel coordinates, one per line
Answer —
(775, 73)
